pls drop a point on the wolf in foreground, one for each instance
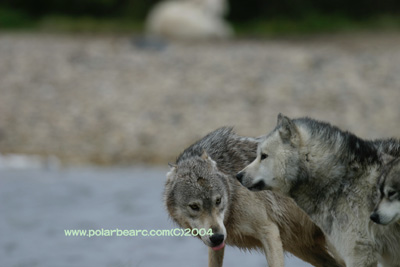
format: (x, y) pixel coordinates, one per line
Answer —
(202, 192)
(332, 175)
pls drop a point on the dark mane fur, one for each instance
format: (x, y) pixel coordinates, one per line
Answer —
(389, 146)
(351, 147)
(224, 145)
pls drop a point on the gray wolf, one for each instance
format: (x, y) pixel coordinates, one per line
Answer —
(332, 175)
(201, 191)
(387, 209)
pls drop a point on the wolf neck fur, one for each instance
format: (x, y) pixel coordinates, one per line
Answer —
(331, 158)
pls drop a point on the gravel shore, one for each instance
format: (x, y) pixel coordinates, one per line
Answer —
(103, 100)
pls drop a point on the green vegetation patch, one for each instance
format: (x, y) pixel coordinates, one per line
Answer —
(316, 24)
(313, 23)
(14, 19)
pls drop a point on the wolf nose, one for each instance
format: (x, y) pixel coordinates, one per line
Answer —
(239, 176)
(217, 239)
(375, 217)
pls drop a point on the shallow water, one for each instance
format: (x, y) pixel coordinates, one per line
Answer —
(37, 205)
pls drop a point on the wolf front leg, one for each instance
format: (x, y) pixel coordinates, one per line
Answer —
(362, 254)
(355, 263)
(272, 244)
(215, 258)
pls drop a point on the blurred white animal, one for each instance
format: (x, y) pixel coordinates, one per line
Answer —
(189, 19)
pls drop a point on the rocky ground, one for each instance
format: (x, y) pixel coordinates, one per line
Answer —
(102, 99)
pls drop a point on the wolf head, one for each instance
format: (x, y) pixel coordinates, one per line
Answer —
(387, 210)
(196, 196)
(278, 159)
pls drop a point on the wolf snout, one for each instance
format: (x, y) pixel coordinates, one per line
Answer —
(217, 239)
(239, 176)
(375, 218)
(258, 186)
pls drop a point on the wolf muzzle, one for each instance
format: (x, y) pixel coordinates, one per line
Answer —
(375, 218)
(217, 241)
(239, 176)
(256, 187)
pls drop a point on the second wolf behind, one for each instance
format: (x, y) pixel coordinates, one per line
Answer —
(202, 192)
(332, 175)
(387, 209)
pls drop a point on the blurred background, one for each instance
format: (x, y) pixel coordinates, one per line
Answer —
(97, 96)
(249, 17)
(86, 82)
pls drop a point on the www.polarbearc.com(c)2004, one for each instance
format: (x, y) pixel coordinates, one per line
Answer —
(138, 232)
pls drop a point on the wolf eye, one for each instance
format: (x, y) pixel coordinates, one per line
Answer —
(194, 207)
(264, 156)
(218, 201)
(391, 193)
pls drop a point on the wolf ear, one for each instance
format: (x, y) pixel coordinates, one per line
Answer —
(206, 157)
(172, 165)
(280, 118)
(172, 172)
(386, 158)
(287, 131)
